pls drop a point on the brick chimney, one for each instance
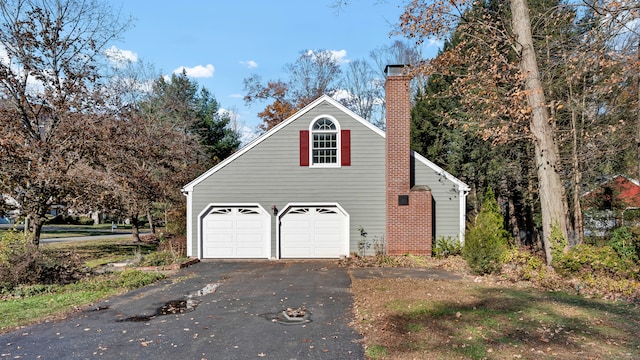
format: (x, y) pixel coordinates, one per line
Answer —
(409, 210)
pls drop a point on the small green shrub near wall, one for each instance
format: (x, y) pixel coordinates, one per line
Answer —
(486, 241)
(446, 247)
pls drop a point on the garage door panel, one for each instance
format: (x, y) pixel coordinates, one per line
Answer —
(221, 252)
(250, 252)
(320, 252)
(297, 252)
(313, 232)
(249, 225)
(249, 240)
(240, 232)
(299, 239)
(218, 224)
(328, 240)
(299, 224)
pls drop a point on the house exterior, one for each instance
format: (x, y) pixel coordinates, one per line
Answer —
(614, 202)
(310, 186)
(619, 192)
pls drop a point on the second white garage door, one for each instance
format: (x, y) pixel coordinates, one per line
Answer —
(314, 232)
(236, 232)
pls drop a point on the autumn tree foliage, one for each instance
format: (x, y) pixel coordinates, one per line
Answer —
(503, 69)
(48, 80)
(77, 134)
(159, 142)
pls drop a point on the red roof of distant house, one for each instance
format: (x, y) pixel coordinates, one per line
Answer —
(620, 190)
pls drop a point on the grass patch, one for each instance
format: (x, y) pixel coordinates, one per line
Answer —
(57, 301)
(376, 352)
(417, 318)
(101, 252)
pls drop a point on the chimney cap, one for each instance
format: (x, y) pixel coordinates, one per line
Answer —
(395, 70)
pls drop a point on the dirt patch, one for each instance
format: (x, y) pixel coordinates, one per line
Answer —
(478, 318)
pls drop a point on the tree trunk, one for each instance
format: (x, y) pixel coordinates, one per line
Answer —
(638, 108)
(513, 222)
(576, 173)
(33, 228)
(533, 237)
(552, 195)
(578, 225)
(152, 227)
(135, 228)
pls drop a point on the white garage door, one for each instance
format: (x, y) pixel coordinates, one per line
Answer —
(314, 232)
(236, 232)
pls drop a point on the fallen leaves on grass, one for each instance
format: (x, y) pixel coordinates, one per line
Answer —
(421, 318)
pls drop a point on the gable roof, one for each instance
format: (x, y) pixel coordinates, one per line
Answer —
(627, 190)
(189, 187)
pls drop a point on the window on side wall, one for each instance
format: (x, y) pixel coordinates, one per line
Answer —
(325, 144)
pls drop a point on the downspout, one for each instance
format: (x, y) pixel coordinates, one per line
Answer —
(463, 213)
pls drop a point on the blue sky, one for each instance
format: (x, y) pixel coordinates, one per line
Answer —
(220, 43)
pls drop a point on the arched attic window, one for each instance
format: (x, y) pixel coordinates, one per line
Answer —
(325, 144)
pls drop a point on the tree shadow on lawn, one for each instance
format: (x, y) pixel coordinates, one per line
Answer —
(108, 250)
(508, 323)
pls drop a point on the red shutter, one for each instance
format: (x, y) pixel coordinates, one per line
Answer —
(345, 147)
(304, 147)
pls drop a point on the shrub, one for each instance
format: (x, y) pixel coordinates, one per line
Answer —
(522, 264)
(18, 261)
(486, 240)
(558, 243)
(22, 263)
(525, 264)
(588, 259)
(625, 244)
(446, 247)
(150, 238)
(177, 221)
(158, 258)
(175, 244)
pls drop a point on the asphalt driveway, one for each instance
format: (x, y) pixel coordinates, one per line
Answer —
(212, 310)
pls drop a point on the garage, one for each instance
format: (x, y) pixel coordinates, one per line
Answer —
(236, 232)
(314, 232)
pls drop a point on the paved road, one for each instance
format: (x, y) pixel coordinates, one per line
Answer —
(241, 319)
(107, 234)
(93, 237)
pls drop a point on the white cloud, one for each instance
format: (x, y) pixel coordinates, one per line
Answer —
(339, 55)
(236, 96)
(342, 94)
(197, 71)
(4, 57)
(250, 64)
(120, 57)
(247, 134)
(435, 42)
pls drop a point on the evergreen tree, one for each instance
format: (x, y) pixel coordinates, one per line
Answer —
(486, 240)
